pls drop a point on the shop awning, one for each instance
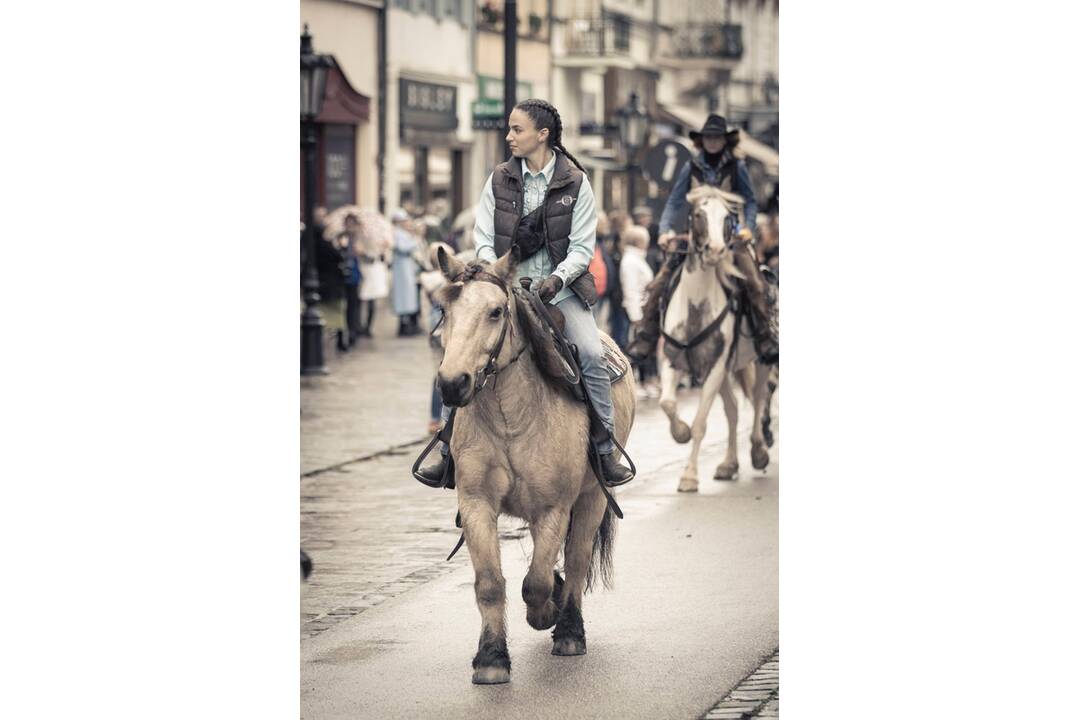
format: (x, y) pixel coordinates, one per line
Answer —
(761, 152)
(680, 116)
(689, 119)
(342, 104)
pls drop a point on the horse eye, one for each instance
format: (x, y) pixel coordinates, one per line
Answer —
(496, 313)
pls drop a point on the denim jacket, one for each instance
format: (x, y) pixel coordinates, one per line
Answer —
(676, 203)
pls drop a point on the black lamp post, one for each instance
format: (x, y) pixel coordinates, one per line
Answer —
(313, 69)
(633, 124)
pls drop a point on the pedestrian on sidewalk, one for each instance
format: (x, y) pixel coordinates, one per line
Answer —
(608, 242)
(375, 246)
(403, 268)
(654, 255)
(635, 274)
(348, 244)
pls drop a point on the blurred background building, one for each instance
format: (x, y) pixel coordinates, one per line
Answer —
(414, 102)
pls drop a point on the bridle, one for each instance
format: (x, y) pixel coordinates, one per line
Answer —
(491, 367)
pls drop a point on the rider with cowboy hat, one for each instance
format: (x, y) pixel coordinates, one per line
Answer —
(715, 165)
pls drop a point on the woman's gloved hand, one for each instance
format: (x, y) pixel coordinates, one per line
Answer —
(550, 288)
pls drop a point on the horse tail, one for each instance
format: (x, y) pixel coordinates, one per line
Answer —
(602, 566)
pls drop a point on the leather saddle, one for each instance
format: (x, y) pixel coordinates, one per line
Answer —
(543, 326)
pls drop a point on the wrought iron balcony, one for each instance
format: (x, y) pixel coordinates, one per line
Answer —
(714, 40)
(609, 35)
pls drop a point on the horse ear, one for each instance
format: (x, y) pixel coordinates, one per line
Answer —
(451, 267)
(505, 267)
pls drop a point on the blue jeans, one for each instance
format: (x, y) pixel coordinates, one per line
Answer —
(581, 331)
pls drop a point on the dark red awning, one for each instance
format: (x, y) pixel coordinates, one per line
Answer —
(342, 104)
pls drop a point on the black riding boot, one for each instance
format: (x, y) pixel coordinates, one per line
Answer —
(615, 473)
(433, 473)
(648, 330)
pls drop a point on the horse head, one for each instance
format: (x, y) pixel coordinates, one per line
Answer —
(478, 318)
(712, 227)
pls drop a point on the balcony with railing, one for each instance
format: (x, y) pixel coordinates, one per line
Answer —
(598, 37)
(711, 41)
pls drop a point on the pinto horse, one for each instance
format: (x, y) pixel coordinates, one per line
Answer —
(703, 337)
(520, 448)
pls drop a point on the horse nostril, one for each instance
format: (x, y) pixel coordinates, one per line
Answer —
(453, 389)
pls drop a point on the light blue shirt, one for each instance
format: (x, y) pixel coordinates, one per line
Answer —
(539, 266)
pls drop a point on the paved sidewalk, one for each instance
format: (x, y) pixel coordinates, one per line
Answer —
(377, 395)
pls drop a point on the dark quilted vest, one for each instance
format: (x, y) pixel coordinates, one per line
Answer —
(509, 190)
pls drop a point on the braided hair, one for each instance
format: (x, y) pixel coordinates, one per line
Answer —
(544, 115)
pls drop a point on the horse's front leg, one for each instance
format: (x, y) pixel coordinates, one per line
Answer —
(669, 386)
(569, 633)
(479, 520)
(689, 480)
(729, 466)
(548, 533)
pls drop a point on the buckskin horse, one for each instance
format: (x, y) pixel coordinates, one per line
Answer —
(703, 337)
(519, 448)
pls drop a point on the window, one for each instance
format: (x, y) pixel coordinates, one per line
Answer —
(452, 9)
(426, 7)
(403, 4)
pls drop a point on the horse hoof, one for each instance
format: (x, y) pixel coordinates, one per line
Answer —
(759, 457)
(726, 471)
(688, 484)
(680, 431)
(568, 646)
(542, 618)
(490, 676)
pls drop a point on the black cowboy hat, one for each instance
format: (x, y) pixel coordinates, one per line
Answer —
(716, 125)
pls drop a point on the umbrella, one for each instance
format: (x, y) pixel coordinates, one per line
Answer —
(374, 228)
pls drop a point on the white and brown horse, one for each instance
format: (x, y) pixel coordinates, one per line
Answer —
(519, 448)
(704, 338)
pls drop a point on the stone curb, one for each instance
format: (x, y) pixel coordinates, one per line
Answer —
(369, 456)
(751, 694)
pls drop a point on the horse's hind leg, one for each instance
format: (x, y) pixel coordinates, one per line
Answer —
(689, 480)
(669, 385)
(548, 534)
(766, 418)
(729, 466)
(758, 394)
(588, 513)
(491, 665)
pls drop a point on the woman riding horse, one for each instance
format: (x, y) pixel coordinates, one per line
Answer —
(541, 202)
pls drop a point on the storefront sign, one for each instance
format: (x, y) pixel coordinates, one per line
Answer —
(428, 106)
(488, 112)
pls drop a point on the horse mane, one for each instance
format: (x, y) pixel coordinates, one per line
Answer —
(732, 202)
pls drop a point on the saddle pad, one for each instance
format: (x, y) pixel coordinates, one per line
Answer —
(617, 364)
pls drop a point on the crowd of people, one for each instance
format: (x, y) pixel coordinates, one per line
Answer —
(365, 260)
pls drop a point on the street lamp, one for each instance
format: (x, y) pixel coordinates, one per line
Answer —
(313, 69)
(633, 124)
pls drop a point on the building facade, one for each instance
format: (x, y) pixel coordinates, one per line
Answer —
(489, 118)
(414, 104)
(683, 59)
(348, 127)
(430, 88)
